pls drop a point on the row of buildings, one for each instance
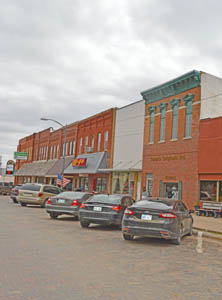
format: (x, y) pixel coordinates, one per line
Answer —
(168, 144)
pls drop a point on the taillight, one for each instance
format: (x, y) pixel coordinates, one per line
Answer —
(128, 212)
(40, 194)
(49, 201)
(117, 208)
(82, 205)
(75, 203)
(168, 216)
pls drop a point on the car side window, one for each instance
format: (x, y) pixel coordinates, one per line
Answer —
(181, 207)
(184, 206)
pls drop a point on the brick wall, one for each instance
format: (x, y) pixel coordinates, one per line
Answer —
(173, 161)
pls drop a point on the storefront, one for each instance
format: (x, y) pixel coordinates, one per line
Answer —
(85, 172)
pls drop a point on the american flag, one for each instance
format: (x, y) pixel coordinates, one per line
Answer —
(59, 180)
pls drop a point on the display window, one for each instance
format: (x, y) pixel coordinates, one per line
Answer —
(101, 185)
(123, 183)
(208, 190)
(84, 183)
(171, 190)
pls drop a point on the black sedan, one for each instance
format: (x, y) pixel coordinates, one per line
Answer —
(67, 203)
(104, 209)
(160, 218)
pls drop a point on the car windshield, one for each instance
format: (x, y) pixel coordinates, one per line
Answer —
(115, 199)
(31, 187)
(156, 204)
(71, 195)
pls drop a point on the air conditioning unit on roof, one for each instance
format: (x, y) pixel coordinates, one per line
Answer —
(89, 149)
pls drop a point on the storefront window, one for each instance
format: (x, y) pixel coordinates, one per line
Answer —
(208, 190)
(123, 183)
(84, 183)
(171, 190)
(149, 185)
(101, 185)
(220, 191)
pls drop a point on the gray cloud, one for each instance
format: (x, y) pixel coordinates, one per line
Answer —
(71, 59)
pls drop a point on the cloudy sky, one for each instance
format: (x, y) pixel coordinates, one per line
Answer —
(69, 59)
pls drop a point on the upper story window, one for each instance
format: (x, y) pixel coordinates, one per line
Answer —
(73, 147)
(163, 108)
(51, 152)
(80, 146)
(175, 107)
(54, 152)
(70, 148)
(99, 141)
(86, 144)
(57, 151)
(92, 143)
(152, 110)
(63, 149)
(188, 101)
(106, 138)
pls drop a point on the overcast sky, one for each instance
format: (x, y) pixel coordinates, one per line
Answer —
(69, 59)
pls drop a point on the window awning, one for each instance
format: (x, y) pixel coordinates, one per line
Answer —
(37, 168)
(94, 162)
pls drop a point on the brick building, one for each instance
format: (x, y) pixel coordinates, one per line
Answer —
(94, 147)
(171, 135)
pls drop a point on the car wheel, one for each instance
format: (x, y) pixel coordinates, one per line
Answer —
(84, 224)
(177, 241)
(53, 216)
(44, 203)
(128, 237)
(22, 204)
(191, 230)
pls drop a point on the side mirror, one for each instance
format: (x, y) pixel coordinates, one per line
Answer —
(191, 211)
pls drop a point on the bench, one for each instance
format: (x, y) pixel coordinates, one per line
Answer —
(210, 209)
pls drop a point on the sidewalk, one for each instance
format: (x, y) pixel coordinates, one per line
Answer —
(211, 227)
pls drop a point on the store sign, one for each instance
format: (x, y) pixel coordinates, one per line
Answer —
(10, 167)
(168, 158)
(21, 155)
(79, 162)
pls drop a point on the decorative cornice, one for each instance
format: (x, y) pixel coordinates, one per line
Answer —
(163, 106)
(152, 109)
(175, 103)
(188, 98)
(171, 88)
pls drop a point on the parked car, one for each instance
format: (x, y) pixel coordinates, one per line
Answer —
(104, 209)
(6, 188)
(14, 192)
(159, 218)
(67, 203)
(36, 193)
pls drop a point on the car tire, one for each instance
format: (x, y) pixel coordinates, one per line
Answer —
(53, 216)
(191, 230)
(84, 224)
(128, 237)
(44, 203)
(177, 241)
(23, 204)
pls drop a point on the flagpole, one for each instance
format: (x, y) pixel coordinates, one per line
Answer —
(64, 131)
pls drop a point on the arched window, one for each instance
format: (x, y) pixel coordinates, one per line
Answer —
(106, 138)
(99, 141)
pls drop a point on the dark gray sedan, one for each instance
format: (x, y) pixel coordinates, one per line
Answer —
(160, 218)
(104, 209)
(67, 203)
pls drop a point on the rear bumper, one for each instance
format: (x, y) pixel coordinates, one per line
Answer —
(62, 210)
(102, 218)
(150, 230)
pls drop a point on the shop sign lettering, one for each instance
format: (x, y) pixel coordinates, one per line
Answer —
(79, 162)
(168, 158)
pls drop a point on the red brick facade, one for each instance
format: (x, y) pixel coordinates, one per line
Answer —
(173, 161)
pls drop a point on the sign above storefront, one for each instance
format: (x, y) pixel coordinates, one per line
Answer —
(21, 155)
(168, 158)
(79, 162)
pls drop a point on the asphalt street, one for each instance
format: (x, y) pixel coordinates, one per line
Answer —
(44, 259)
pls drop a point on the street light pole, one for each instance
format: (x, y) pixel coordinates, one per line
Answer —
(64, 128)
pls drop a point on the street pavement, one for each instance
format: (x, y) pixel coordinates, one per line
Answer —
(44, 259)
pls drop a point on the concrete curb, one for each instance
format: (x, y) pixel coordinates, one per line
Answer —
(208, 234)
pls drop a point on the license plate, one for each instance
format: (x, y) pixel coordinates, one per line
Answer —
(97, 208)
(146, 217)
(61, 201)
